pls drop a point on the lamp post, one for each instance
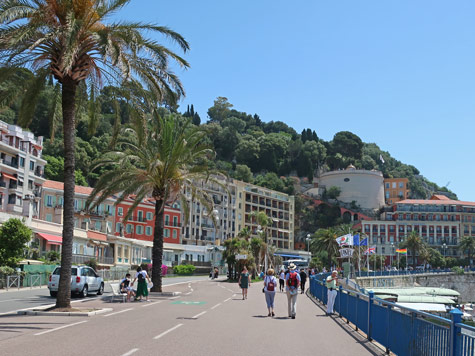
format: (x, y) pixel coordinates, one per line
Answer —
(260, 232)
(391, 256)
(444, 248)
(308, 248)
(215, 214)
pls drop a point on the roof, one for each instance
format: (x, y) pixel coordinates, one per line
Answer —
(439, 197)
(435, 202)
(424, 306)
(51, 184)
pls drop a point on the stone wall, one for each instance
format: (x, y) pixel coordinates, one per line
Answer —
(464, 284)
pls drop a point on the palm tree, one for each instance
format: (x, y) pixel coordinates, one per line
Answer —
(264, 222)
(414, 243)
(162, 159)
(467, 244)
(325, 240)
(70, 40)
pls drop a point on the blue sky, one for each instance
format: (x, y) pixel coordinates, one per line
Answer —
(397, 73)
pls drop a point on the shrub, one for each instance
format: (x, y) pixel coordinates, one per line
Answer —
(164, 270)
(53, 256)
(184, 269)
(6, 270)
(457, 270)
(92, 263)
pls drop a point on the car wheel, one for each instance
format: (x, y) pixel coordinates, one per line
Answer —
(84, 291)
(53, 294)
(101, 289)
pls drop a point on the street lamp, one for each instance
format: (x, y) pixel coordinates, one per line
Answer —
(308, 248)
(444, 248)
(391, 256)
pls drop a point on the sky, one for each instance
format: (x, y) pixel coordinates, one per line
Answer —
(398, 73)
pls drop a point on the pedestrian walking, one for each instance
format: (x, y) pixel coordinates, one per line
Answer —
(303, 280)
(292, 279)
(142, 289)
(244, 282)
(270, 286)
(331, 283)
(282, 281)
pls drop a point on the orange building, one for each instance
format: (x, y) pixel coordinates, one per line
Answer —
(395, 189)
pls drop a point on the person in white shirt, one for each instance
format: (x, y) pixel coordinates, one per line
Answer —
(282, 281)
(270, 286)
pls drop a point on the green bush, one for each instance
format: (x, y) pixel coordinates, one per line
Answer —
(92, 263)
(184, 269)
(6, 270)
(457, 270)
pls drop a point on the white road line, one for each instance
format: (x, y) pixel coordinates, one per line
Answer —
(149, 304)
(187, 293)
(227, 300)
(121, 311)
(166, 332)
(230, 290)
(234, 295)
(198, 315)
(174, 284)
(61, 327)
(130, 352)
(217, 305)
(174, 297)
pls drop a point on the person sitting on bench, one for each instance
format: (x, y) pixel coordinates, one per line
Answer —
(126, 288)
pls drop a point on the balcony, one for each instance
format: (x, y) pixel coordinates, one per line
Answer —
(3, 184)
(10, 163)
(82, 259)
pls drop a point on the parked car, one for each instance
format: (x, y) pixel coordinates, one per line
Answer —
(84, 280)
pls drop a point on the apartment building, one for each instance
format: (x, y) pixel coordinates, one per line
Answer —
(141, 223)
(395, 189)
(278, 206)
(22, 170)
(440, 221)
(198, 227)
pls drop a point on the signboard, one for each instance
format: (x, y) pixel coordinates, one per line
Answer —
(346, 252)
(241, 257)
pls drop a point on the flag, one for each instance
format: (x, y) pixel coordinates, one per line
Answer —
(381, 158)
(364, 242)
(370, 251)
(356, 240)
(402, 250)
(345, 240)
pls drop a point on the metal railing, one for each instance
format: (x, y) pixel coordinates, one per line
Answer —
(400, 330)
(82, 259)
(405, 273)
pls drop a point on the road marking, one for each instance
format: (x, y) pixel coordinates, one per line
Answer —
(227, 300)
(122, 311)
(198, 315)
(149, 304)
(187, 293)
(234, 295)
(130, 352)
(61, 327)
(174, 284)
(166, 332)
(230, 290)
(217, 305)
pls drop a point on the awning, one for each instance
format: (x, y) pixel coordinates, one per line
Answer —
(9, 176)
(424, 306)
(290, 256)
(51, 239)
(96, 235)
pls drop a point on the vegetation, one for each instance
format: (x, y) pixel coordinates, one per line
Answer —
(184, 269)
(14, 235)
(415, 245)
(467, 244)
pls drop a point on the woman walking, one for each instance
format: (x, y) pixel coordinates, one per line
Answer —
(282, 280)
(142, 290)
(270, 285)
(244, 282)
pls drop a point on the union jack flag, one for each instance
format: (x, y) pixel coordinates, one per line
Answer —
(370, 251)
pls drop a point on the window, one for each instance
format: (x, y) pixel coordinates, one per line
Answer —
(149, 215)
(166, 233)
(175, 221)
(118, 227)
(32, 166)
(401, 185)
(140, 216)
(174, 234)
(394, 185)
(22, 162)
(49, 201)
(148, 231)
(97, 226)
(120, 211)
(60, 201)
(167, 219)
(139, 229)
(128, 228)
(387, 195)
(49, 217)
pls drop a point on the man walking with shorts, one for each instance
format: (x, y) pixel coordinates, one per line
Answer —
(331, 283)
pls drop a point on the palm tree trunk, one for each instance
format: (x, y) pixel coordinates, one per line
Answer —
(414, 259)
(69, 132)
(157, 249)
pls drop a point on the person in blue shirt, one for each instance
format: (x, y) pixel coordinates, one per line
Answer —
(292, 282)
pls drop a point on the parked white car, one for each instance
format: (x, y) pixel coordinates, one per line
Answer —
(84, 280)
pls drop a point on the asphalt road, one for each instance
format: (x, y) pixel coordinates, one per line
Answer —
(13, 300)
(210, 318)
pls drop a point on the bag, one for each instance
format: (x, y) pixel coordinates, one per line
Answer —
(264, 290)
(141, 277)
(270, 285)
(293, 281)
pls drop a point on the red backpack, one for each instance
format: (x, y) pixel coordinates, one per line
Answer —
(270, 285)
(293, 281)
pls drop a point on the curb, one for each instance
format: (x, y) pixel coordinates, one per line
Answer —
(43, 313)
(164, 294)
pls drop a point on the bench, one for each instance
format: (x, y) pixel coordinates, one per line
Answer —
(116, 292)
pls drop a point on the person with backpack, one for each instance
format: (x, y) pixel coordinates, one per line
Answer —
(292, 280)
(142, 289)
(270, 285)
